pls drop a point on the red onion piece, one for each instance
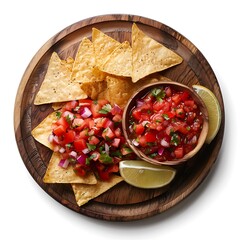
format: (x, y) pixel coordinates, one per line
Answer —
(85, 112)
(116, 110)
(62, 150)
(160, 151)
(50, 138)
(140, 102)
(85, 151)
(164, 143)
(73, 154)
(82, 159)
(135, 142)
(63, 163)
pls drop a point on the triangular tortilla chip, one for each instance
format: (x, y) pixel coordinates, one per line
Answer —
(149, 56)
(95, 90)
(84, 67)
(42, 131)
(57, 174)
(84, 192)
(103, 46)
(56, 86)
(120, 61)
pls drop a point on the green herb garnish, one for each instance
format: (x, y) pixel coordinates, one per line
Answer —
(58, 115)
(158, 93)
(105, 109)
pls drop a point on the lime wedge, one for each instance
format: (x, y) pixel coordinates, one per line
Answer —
(146, 175)
(214, 110)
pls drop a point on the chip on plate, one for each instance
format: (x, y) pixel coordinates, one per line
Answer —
(57, 86)
(95, 90)
(149, 56)
(84, 67)
(120, 61)
(57, 174)
(85, 192)
(42, 131)
(103, 46)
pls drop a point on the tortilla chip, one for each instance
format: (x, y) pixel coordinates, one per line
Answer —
(120, 61)
(56, 86)
(95, 90)
(57, 174)
(58, 105)
(103, 46)
(84, 67)
(68, 63)
(44, 129)
(84, 193)
(149, 56)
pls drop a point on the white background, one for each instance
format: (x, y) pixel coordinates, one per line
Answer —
(27, 212)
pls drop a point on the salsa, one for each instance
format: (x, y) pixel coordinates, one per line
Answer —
(165, 123)
(88, 135)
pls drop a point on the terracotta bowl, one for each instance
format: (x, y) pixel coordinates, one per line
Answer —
(178, 87)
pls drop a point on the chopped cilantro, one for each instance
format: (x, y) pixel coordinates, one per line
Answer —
(153, 155)
(116, 154)
(68, 145)
(175, 140)
(68, 119)
(91, 147)
(158, 93)
(58, 115)
(165, 116)
(105, 109)
(72, 160)
(105, 158)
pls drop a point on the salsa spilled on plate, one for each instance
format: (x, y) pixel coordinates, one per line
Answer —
(165, 123)
(88, 135)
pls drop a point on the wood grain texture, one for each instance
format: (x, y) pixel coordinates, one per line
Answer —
(123, 202)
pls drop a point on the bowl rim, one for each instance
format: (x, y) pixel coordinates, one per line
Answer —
(202, 137)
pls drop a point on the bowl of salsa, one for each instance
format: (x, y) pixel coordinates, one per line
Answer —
(165, 123)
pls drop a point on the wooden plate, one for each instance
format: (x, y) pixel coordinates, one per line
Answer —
(123, 202)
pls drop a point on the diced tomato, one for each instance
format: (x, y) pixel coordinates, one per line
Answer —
(189, 103)
(116, 142)
(118, 132)
(180, 113)
(84, 133)
(157, 106)
(69, 136)
(78, 122)
(108, 134)
(93, 140)
(69, 106)
(142, 141)
(139, 129)
(108, 124)
(79, 170)
(62, 121)
(117, 118)
(126, 151)
(85, 102)
(176, 98)
(178, 152)
(168, 91)
(150, 137)
(80, 144)
(136, 113)
(59, 130)
(185, 95)
(97, 106)
(113, 168)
